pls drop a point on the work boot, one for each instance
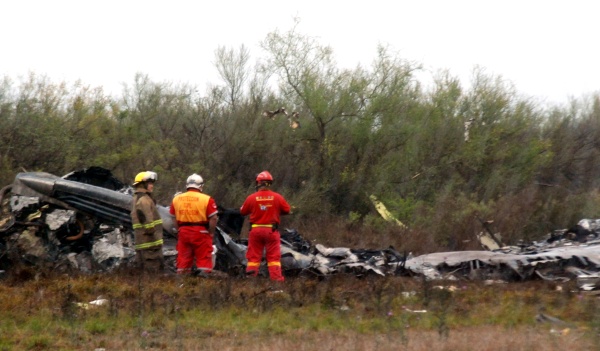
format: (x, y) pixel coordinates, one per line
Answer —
(201, 274)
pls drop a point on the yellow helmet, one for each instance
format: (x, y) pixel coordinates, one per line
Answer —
(146, 176)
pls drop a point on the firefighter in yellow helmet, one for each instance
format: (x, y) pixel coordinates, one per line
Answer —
(147, 224)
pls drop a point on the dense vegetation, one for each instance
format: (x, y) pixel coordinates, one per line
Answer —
(367, 131)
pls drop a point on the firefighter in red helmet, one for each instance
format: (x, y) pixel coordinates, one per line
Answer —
(264, 208)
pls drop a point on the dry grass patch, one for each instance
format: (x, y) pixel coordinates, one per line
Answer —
(340, 311)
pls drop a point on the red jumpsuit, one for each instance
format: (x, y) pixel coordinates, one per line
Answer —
(264, 207)
(192, 210)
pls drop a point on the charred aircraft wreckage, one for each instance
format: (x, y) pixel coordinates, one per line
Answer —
(80, 222)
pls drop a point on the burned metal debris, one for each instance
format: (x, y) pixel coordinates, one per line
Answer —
(81, 222)
(563, 255)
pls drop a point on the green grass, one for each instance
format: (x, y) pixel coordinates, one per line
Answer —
(160, 313)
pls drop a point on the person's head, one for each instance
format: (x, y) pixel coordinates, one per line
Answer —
(194, 181)
(145, 180)
(264, 180)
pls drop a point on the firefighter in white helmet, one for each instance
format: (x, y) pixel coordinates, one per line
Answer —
(147, 224)
(196, 217)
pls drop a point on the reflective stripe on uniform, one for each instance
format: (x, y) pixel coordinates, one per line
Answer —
(147, 226)
(253, 264)
(262, 225)
(276, 263)
(148, 245)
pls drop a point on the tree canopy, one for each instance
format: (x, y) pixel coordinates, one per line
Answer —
(441, 157)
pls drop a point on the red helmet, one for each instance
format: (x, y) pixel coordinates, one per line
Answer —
(264, 176)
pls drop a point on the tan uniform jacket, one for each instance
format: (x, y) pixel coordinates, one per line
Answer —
(146, 221)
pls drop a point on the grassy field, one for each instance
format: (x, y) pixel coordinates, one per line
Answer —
(46, 312)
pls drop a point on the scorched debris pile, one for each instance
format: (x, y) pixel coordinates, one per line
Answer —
(80, 223)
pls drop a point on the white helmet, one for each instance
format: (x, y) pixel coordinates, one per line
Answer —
(194, 181)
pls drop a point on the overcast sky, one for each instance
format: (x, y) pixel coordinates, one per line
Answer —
(547, 49)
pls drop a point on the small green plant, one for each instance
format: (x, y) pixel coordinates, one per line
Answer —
(39, 342)
(97, 326)
(354, 217)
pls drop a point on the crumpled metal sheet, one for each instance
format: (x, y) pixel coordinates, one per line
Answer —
(547, 261)
(323, 260)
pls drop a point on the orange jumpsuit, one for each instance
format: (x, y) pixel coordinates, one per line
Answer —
(192, 210)
(264, 207)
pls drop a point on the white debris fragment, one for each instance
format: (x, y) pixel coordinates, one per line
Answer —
(407, 294)
(99, 302)
(91, 304)
(56, 218)
(103, 250)
(413, 311)
(17, 203)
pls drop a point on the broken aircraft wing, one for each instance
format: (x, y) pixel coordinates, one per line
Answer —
(109, 205)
